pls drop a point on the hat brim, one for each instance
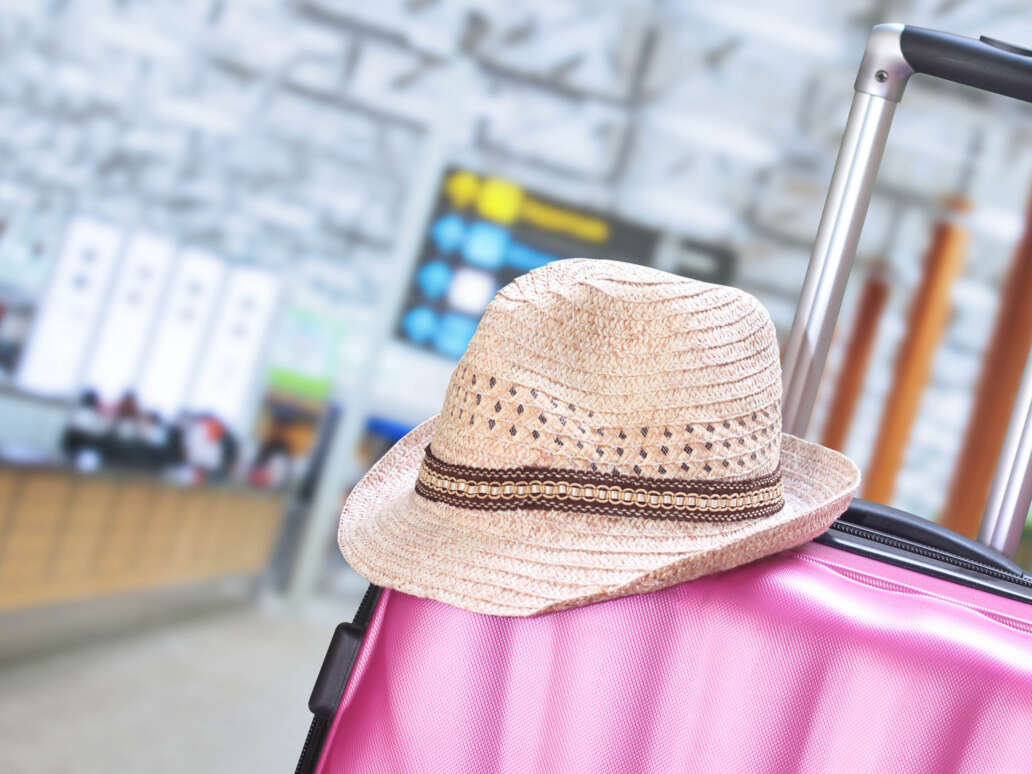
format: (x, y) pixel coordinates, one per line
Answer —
(521, 563)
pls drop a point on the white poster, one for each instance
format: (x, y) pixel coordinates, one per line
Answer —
(227, 371)
(57, 350)
(183, 325)
(131, 311)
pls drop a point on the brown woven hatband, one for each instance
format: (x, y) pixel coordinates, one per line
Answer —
(608, 494)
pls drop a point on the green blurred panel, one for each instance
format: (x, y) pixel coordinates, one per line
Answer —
(299, 385)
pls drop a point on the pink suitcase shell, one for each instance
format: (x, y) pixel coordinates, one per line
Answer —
(814, 660)
(910, 650)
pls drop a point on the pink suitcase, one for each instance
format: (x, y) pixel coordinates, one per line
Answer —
(813, 660)
(891, 644)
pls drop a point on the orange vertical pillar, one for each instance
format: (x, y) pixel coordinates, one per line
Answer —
(856, 358)
(998, 384)
(926, 321)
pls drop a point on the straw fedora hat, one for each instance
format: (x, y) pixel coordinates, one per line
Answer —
(611, 430)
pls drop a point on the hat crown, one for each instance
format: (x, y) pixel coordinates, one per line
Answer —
(616, 368)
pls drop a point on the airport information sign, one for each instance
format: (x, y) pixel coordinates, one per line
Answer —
(486, 231)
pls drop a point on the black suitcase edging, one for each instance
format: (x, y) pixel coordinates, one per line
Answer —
(333, 678)
(903, 540)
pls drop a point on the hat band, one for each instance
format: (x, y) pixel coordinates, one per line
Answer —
(608, 494)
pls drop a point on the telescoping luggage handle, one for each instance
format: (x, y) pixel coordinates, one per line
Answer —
(894, 53)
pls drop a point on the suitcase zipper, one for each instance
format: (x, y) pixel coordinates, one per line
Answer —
(365, 607)
(317, 729)
(931, 553)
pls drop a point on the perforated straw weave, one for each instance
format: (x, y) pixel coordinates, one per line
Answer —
(611, 429)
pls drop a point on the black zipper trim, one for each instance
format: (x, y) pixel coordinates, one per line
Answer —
(931, 553)
(365, 608)
(313, 746)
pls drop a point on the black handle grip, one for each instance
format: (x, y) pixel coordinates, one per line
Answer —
(900, 524)
(986, 65)
(336, 668)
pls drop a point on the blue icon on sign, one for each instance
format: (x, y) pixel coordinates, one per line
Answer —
(434, 278)
(453, 334)
(449, 232)
(420, 324)
(485, 245)
(526, 258)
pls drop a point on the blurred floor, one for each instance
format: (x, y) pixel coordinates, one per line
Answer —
(224, 692)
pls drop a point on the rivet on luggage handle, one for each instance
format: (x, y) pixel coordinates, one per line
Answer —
(894, 52)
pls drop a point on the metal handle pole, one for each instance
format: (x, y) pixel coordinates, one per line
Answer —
(1011, 493)
(832, 259)
(879, 86)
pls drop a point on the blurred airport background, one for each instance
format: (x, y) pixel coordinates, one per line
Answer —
(243, 242)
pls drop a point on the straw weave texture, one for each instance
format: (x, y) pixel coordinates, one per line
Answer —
(607, 368)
